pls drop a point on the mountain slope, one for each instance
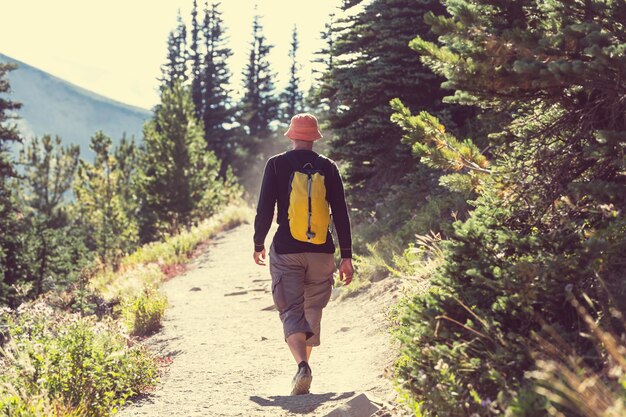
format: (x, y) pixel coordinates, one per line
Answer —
(52, 105)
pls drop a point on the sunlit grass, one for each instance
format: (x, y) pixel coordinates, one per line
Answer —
(568, 383)
(134, 286)
(147, 266)
(143, 313)
(61, 363)
(177, 249)
(416, 264)
(127, 284)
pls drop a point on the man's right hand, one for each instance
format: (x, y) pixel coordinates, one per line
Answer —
(346, 270)
(259, 257)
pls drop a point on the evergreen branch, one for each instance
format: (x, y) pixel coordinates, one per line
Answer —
(429, 137)
(471, 165)
(458, 323)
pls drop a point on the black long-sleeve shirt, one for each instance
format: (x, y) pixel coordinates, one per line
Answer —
(275, 189)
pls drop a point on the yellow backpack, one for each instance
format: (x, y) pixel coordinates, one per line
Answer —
(309, 211)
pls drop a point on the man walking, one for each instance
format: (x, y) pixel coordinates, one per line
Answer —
(306, 187)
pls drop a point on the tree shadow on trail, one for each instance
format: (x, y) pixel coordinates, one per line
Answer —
(300, 404)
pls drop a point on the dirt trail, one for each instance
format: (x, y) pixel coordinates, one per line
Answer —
(229, 357)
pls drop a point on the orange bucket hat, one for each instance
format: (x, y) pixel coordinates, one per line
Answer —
(303, 126)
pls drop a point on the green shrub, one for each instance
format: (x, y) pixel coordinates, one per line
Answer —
(56, 363)
(384, 258)
(63, 364)
(415, 206)
(466, 342)
(549, 221)
(19, 405)
(144, 312)
(419, 258)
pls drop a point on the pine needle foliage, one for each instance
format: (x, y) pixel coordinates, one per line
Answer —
(292, 99)
(178, 178)
(439, 149)
(12, 244)
(548, 221)
(175, 68)
(371, 64)
(110, 226)
(216, 109)
(55, 244)
(259, 106)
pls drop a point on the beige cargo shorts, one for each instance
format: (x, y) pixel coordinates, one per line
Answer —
(301, 287)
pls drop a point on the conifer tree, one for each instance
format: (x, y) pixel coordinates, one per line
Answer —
(8, 132)
(126, 156)
(175, 68)
(292, 98)
(217, 112)
(548, 225)
(195, 56)
(49, 169)
(56, 247)
(371, 64)
(322, 66)
(178, 177)
(12, 265)
(259, 105)
(323, 63)
(99, 191)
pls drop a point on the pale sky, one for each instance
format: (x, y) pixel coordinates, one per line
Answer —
(116, 47)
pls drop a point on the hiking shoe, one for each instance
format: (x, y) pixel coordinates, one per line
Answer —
(302, 380)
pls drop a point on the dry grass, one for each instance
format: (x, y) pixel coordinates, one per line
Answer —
(150, 264)
(134, 286)
(569, 385)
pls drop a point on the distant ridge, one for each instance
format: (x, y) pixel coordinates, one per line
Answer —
(58, 107)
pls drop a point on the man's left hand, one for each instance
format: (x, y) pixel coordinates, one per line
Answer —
(259, 257)
(346, 271)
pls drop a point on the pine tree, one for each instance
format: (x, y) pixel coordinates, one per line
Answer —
(49, 169)
(217, 113)
(57, 252)
(322, 67)
(259, 104)
(372, 64)
(126, 156)
(196, 58)
(323, 63)
(548, 225)
(175, 68)
(178, 178)
(8, 132)
(292, 98)
(12, 245)
(99, 203)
